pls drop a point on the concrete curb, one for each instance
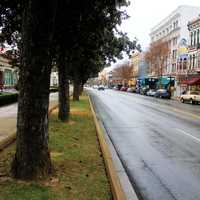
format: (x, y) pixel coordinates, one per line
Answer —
(117, 191)
(8, 140)
(12, 137)
(115, 174)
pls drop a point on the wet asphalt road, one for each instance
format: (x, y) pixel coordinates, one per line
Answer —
(158, 142)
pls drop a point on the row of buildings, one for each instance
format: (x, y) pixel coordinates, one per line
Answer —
(181, 31)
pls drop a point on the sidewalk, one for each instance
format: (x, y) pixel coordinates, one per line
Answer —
(8, 126)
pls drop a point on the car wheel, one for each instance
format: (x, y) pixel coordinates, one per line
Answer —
(191, 101)
(182, 100)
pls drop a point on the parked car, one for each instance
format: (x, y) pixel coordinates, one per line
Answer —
(123, 88)
(95, 86)
(162, 93)
(144, 90)
(131, 89)
(151, 92)
(115, 88)
(191, 97)
(101, 87)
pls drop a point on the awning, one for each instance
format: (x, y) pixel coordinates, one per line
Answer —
(191, 81)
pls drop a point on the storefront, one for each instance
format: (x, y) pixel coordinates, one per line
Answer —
(191, 84)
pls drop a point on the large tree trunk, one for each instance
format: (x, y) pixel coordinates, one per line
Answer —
(76, 89)
(81, 88)
(64, 99)
(32, 158)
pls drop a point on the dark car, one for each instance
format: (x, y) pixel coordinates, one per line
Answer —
(162, 93)
(144, 90)
(131, 89)
(124, 89)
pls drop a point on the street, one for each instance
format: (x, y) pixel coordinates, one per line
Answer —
(158, 142)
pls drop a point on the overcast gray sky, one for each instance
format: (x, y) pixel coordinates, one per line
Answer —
(146, 14)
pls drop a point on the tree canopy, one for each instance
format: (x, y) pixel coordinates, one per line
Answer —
(80, 37)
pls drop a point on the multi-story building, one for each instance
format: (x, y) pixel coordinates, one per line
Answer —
(143, 66)
(134, 63)
(189, 73)
(139, 66)
(173, 29)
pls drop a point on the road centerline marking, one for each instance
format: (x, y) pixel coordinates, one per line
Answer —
(185, 133)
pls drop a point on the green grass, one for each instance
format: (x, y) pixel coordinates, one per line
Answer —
(76, 157)
(5, 93)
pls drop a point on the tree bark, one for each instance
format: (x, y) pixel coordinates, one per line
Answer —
(32, 158)
(76, 89)
(81, 88)
(64, 98)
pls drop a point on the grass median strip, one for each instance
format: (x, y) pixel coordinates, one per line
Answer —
(79, 168)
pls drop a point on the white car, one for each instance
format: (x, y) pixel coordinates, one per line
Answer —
(191, 97)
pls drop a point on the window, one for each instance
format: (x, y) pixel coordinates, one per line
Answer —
(180, 63)
(175, 41)
(184, 64)
(198, 36)
(174, 53)
(190, 62)
(198, 58)
(194, 38)
(173, 67)
(193, 61)
(176, 23)
(191, 39)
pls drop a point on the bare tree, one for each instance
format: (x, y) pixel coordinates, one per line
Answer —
(157, 57)
(124, 71)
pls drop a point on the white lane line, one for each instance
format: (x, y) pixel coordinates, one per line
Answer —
(185, 133)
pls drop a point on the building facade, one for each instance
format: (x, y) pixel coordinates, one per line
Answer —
(139, 66)
(8, 75)
(190, 73)
(173, 29)
(134, 63)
